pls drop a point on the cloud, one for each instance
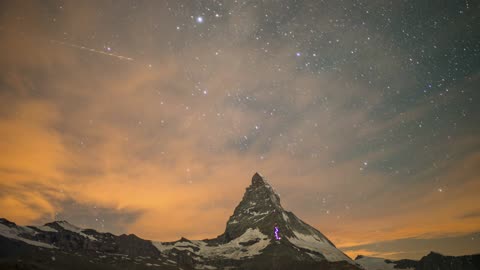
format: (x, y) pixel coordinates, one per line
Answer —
(415, 248)
(473, 214)
(92, 216)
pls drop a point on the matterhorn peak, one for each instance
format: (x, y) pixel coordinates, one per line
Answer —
(261, 190)
(260, 209)
(258, 180)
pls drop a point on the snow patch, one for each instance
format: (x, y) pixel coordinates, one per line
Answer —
(317, 244)
(257, 220)
(14, 232)
(46, 229)
(171, 262)
(285, 217)
(69, 227)
(205, 267)
(181, 245)
(260, 214)
(231, 250)
(374, 263)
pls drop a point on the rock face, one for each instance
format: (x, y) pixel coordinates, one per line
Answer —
(260, 207)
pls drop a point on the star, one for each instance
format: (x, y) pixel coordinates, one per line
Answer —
(199, 19)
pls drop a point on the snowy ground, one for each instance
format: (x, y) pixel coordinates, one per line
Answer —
(69, 227)
(373, 263)
(314, 243)
(230, 250)
(14, 233)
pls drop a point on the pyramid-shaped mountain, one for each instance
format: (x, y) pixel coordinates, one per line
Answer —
(260, 208)
(262, 235)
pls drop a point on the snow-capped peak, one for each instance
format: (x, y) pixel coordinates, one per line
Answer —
(65, 225)
(260, 208)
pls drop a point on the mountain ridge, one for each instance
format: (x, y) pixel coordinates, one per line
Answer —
(260, 234)
(432, 261)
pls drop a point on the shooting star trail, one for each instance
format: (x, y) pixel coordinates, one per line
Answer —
(91, 50)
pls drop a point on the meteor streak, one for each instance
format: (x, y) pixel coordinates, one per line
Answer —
(91, 50)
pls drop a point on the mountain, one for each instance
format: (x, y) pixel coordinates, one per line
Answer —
(259, 235)
(61, 245)
(374, 263)
(262, 235)
(433, 261)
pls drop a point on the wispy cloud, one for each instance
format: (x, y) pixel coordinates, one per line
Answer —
(416, 248)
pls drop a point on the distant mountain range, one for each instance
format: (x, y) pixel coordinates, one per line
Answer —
(433, 261)
(259, 235)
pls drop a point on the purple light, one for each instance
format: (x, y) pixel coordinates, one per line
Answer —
(276, 233)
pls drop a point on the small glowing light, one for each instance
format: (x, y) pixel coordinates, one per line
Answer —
(276, 233)
(205, 92)
(298, 54)
(200, 19)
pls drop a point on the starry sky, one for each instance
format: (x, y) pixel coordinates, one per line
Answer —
(150, 117)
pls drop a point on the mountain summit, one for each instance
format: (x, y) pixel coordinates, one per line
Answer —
(259, 207)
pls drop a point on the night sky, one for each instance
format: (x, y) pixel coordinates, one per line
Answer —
(150, 117)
